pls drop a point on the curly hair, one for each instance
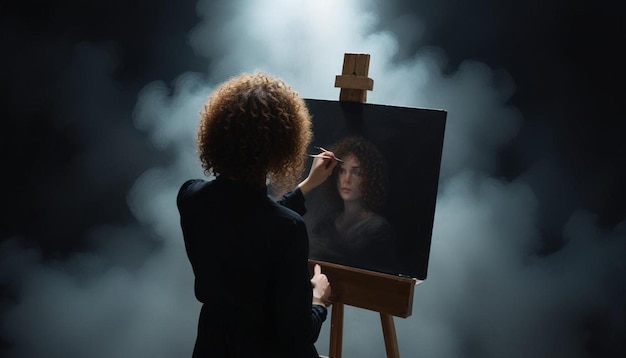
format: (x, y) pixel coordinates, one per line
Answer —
(373, 165)
(255, 127)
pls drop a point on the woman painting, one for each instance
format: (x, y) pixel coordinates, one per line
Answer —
(249, 253)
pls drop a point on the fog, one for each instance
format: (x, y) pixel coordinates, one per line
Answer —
(491, 290)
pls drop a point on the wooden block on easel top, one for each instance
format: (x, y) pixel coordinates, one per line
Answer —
(353, 81)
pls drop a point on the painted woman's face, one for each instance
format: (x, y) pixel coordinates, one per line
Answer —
(349, 179)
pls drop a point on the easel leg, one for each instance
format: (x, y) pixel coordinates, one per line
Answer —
(336, 330)
(389, 332)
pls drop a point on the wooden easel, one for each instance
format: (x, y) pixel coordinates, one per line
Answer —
(387, 294)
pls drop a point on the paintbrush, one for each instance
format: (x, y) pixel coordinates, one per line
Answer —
(323, 156)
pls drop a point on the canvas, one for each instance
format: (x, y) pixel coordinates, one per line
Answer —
(376, 212)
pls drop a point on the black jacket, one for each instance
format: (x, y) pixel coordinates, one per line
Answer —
(249, 255)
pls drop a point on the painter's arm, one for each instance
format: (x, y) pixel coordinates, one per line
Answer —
(321, 169)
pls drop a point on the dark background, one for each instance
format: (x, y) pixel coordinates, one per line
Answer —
(72, 73)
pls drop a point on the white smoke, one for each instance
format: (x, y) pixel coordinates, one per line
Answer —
(487, 293)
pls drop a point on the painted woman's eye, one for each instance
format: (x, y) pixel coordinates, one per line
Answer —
(356, 171)
(342, 170)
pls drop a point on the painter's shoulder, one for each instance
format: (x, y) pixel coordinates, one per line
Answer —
(189, 187)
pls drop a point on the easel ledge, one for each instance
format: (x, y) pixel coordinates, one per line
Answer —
(370, 290)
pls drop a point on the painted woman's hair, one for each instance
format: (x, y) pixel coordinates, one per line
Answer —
(373, 166)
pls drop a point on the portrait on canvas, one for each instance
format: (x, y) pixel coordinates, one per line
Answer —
(376, 210)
